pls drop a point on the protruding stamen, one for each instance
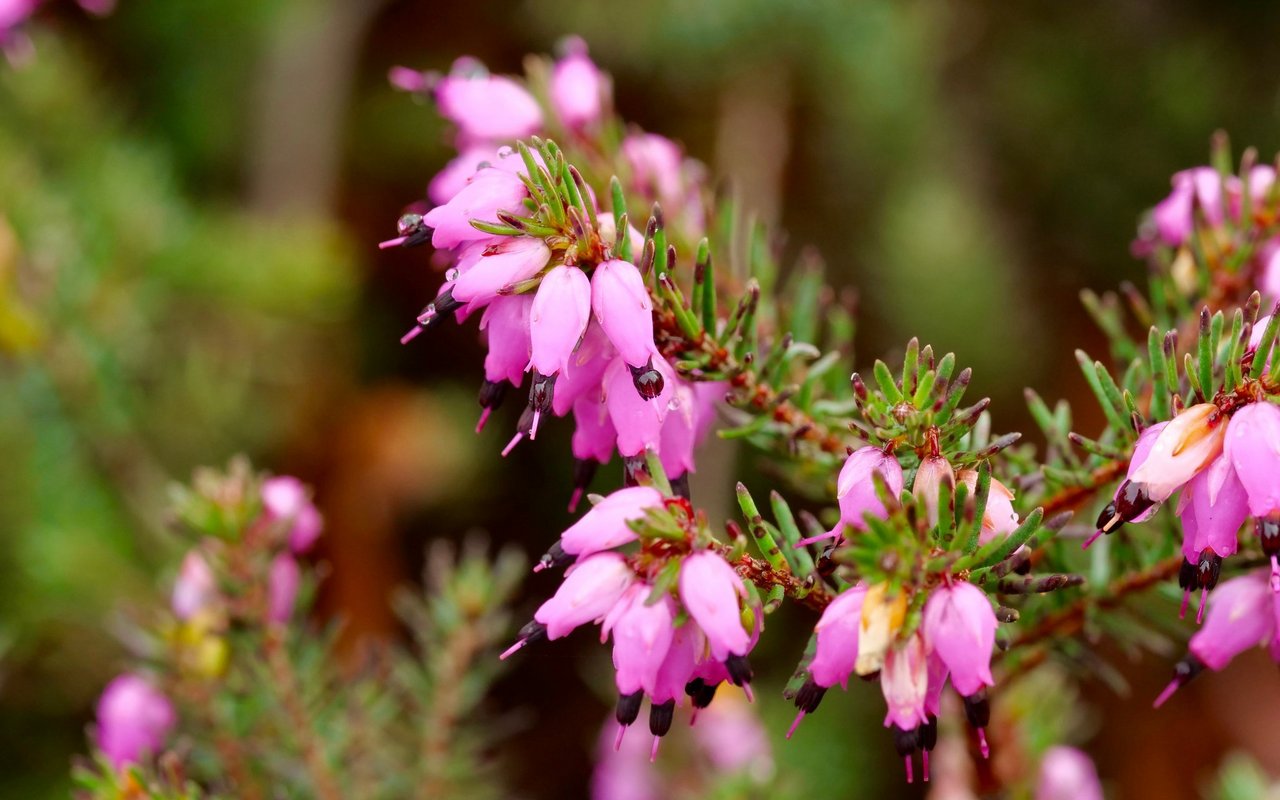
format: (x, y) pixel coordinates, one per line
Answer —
(574, 499)
(511, 445)
(412, 334)
(617, 740)
(484, 417)
(983, 747)
(533, 429)
(390, 243)
(924, 764)
(1168, 691)
(1204, 601)
(653, 751)
(1091, 540)
(795, 724)
(1186, 601)
(746, 689)
(510, 651)
(907, 761)
(820, 537)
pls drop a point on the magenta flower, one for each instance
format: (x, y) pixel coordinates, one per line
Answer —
(488, 192)
(593, 433)
(458, 173)
(1067, 774)
(1243, 613)
(585, 370)
(856, 490)
(561, 310)
(284, 497)
(960, 627)
(486, 108)
(1253, 447)
(195, 591)
(1212, 509)
(506, 320)
(837, 632)
(624, 310)
(578, 87)
(642, 635)
(283, 580)
(638, 421)
(605, 525)
(710, 591)
(589, 590)
(515, 259)
(134, 719)
(1174, 215)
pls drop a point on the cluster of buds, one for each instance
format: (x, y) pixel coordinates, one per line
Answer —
(1223, 457)
(552, 271)
(681, 617)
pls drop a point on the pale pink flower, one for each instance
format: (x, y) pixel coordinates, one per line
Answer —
(1185, 446)
(195, 590)
(999, 519)
(622, 770)
(905, 684)
(561, 310)
(1241, 616)
(593, 433)
(934, 471)
(642, 635)
(506, 321)
(585, 370)
(1067, 774)
(624, 310)
(486, 108)
(638, 421)
(134, 719)
(1212, 508)
(856, 490)
(1130, 496)
(1174, 215)
(655, 163)
(589, 590)
(1253, 448)
(729, 733)
(578, 87)
(837, 632)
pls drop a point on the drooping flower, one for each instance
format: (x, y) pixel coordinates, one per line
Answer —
(558, 321)
(998, 519)
(642, 634)
(733, 740)
(1212, 509)
(856, 489)
(1174, 216)
(905, 683)
(637, 420)
(578, 87)
(134, 719)
(836, 651)
(284, 497)
(515, 259)
(960, 626)
(486, 108)
(710, 590)
(655, 163)
(622, 770)
(687, 423)
(1126, 494)
(1253, 448)
(506, 321)
(882, 617)
(589, 590)
(625, 311)
(1067, 774)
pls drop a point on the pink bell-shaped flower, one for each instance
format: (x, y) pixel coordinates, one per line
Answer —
(605, 525)
(1129, 496)
(1241, 615)
(486, 108)
(1253, 447)
(624, 310)
(655, 163)
(638, 421)
(837, 633)
(905, 684)
(561, 310)
(856, 490)
(515, 259)
(1212, 509)
(284, 497)
(1174, 216)
(589, 590)
(999, 519)
(960, 627)
(642, 635)
(578, 87)
(585, 370)
(1185, 446)
(934, 471)
(488, 192)
(506, 320)
(710, 590)
(134, 719)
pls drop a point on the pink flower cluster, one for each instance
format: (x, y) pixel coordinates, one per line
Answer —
(1202, 194)
(954, 642)
(668, 644)
(1226, 468)
(582, 327)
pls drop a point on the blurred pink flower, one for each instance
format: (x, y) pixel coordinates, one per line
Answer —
(578, 87)
(134, 718)
(1067, 774)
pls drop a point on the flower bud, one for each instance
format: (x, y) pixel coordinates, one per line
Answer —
(488, 192)
(134, 718)
(934, 471)
(486, 108)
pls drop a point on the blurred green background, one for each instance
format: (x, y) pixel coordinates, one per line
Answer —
(190, 195)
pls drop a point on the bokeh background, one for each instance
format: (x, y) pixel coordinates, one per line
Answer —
(190, 197)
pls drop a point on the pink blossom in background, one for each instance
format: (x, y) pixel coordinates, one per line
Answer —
(578, 87)
(486, 108)
(284, 497)
(283, 581)
(1067, 774)
(133, 720)
(195, 590)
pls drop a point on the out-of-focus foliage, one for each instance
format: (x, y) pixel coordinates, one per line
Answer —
(140, 333)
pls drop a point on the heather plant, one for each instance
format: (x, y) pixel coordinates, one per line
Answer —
(958, 569)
